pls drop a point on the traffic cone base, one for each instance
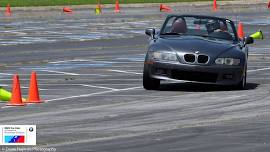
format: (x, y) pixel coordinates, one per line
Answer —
(40, 101)
(15, 104)
(7, 14)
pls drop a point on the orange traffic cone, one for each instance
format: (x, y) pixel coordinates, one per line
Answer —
(8, 10)
(33, 95)
(117, 7)
(214, 9)
(240, 30)
(164, 8)
(67, 9)
(16, 97)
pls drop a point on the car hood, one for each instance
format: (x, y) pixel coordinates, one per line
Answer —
(191, 44)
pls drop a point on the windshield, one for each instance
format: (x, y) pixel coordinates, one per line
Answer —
(199, 26)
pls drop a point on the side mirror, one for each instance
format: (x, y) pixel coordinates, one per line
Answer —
(248, 40)
(150, 32)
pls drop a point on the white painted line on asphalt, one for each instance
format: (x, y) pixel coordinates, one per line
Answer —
(5, 107)
(114, 62)
(130, 95)
(260, 48)
(92, 80)
(15, 32)
(5, 74)
(127, 66)
(94, 86)
(115, 80)
(78, 84)
(120, 66)
(254, 54)
(234, 97)
(61, 89)
(59, 33)
(92, 94)
(121, 71)
(59, 84)
(261, 62)
(91, 60)
(258, 66)
(26, 29)
(116, 84)
(130, 62)
(62, 61)
(259, 78)
(262, 69)
(102, 75)
(50, 89)
(85, 85)
(26, 79)
(59, 72)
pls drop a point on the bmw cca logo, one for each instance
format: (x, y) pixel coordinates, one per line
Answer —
(31, 129)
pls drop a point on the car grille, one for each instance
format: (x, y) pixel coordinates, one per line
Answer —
(192, 58)
(194, 76)
(189, 58)
(203, 59)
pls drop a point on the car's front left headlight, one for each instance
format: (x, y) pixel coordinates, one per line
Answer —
(162, 56)
(227, 61)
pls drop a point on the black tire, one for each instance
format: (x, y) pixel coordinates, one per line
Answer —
(148, 82)
(242, 84)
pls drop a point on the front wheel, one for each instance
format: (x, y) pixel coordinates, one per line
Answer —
(148, 82)
(242, 84)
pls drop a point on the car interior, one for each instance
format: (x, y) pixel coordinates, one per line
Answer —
(201, 27)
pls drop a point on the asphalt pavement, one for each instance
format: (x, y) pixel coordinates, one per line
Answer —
(90, 75)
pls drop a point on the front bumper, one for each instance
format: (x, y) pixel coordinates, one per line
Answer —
(212, 74)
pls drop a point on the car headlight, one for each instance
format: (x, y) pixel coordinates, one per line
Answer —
(227, 61)
(163, 56)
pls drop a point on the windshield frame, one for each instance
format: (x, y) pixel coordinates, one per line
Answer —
(230, 22)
